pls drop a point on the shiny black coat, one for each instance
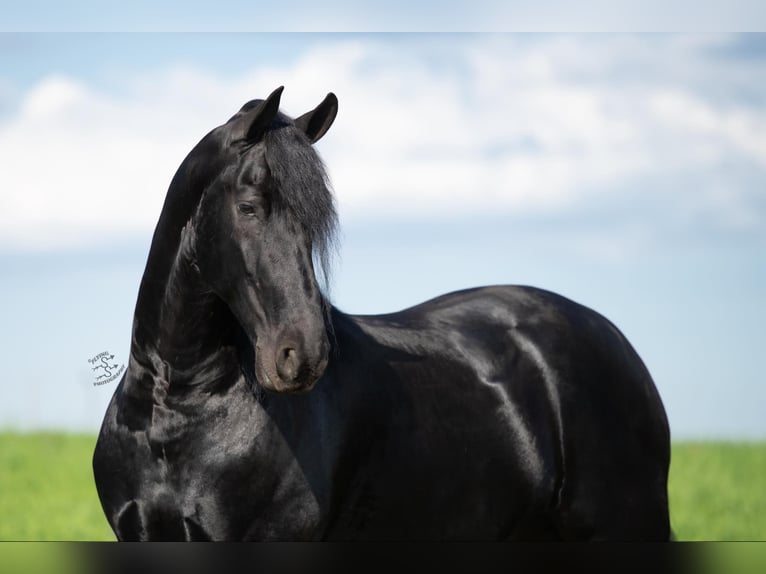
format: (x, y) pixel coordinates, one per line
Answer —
(252, 410)
(494, 413)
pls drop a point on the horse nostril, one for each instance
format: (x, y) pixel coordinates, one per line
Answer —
(287, 364)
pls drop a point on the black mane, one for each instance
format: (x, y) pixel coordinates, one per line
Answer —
(302, 188)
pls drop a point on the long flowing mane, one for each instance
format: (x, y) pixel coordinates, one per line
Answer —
(303, 189)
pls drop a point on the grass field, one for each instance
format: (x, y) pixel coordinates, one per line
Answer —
(717, 490)
(47, 490)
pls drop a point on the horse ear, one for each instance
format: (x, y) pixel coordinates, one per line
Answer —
(251, 125)
(316, 122)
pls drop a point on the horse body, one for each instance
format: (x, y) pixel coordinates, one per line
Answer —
(478, 415)
(492, 413)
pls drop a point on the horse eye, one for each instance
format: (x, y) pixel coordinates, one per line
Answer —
(246, 209)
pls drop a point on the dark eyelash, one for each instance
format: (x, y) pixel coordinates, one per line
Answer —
(246, 209)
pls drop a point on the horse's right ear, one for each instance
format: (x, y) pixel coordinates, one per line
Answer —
(316, 122)
(252, 124)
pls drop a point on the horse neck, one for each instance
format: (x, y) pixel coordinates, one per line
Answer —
(183, 335)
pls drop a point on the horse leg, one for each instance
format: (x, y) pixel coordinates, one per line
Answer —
(611, 501)
(158, 519)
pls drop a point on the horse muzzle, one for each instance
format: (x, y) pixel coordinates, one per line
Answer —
(291, 364)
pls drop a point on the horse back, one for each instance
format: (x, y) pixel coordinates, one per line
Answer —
(516, 402)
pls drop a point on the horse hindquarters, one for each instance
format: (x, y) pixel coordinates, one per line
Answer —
(618, 501)
(616, 446)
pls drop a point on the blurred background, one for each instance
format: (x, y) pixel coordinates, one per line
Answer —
(624, 171)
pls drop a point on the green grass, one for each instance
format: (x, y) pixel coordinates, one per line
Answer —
(47, 490)
(717, 490)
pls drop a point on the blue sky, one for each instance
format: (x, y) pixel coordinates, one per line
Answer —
(378, 16)
(626, 171)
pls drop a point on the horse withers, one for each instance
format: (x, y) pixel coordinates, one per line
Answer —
(252, 409)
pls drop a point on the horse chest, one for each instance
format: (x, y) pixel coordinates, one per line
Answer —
(237, 478)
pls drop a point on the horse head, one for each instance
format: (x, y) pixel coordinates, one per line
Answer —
(262, 221)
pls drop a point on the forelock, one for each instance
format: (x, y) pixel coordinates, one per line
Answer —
(303, 189)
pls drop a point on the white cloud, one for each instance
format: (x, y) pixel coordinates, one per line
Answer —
(708, 129)
(508, 125)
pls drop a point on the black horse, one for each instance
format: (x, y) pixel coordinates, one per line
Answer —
(493, 413)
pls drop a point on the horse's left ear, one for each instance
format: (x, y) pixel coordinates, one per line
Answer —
(316, 122)
(251, 125)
